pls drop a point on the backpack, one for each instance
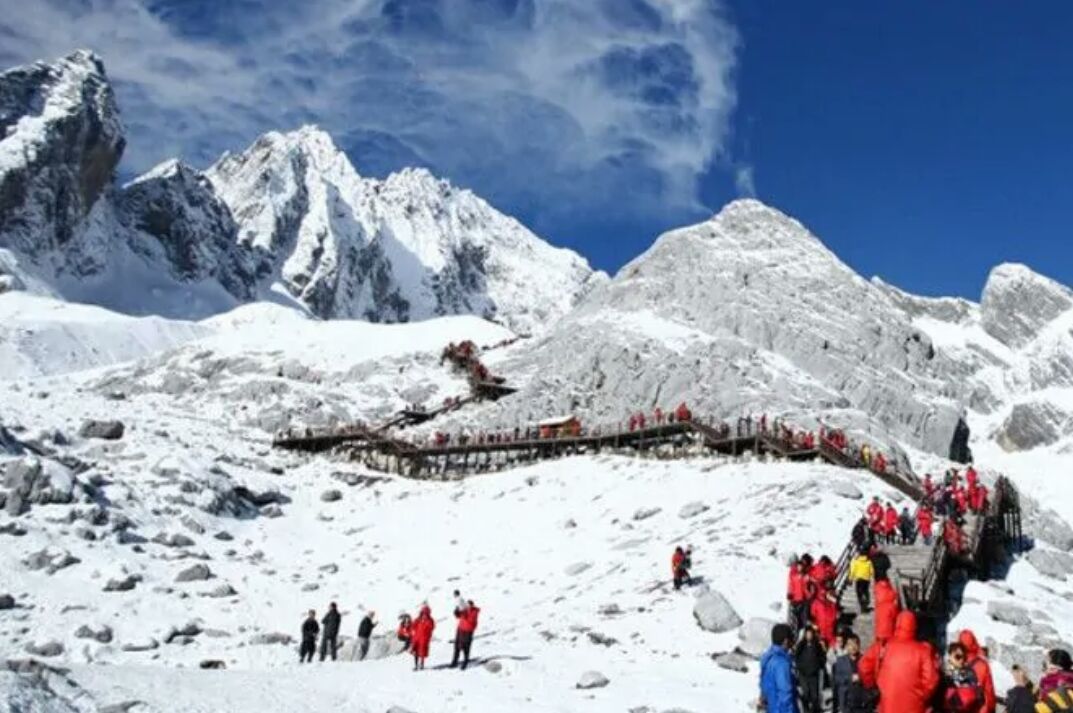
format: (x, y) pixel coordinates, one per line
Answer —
(1060, 699)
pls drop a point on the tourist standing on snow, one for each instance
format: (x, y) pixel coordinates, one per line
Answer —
(961, 690)
(861, 573)
(811, 659)
(467, 624)
(974, 659)
(329, 637)
(365, 632)
(422, 629)
(310, 629)
(459, 601)
(405, 631)
(679, 569)
(798, 593)
(778, 691)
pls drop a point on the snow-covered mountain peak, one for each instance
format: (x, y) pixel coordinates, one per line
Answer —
(1019, 302)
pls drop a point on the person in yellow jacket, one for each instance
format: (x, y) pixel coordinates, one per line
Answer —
(861, 574)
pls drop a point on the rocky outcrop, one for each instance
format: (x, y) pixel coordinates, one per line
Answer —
(1017, 303)
(60, 141)
(1033, 424)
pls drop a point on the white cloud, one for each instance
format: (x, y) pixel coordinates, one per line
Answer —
(546, 106)
(745, 181)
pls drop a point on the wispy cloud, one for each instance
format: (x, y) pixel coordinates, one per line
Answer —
(549, 107)
(745, 180)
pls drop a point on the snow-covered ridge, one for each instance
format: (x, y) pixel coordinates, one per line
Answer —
(289, 219)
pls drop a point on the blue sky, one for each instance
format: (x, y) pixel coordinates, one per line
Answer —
(923, 142)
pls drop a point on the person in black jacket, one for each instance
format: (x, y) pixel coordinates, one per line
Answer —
(811, 660)
(329, 637)
(310, 629)
(365, 632)
(1021, 698)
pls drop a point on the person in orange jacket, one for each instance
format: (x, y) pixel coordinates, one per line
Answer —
(890, 524)
(886, 606)
(903, 669)
(421, 633)
(824, 613)
(925, 520)
(979, 665)
(467, 624)
(799, 590)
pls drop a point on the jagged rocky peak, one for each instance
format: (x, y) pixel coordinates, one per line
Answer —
(1018, 303)
(60, 141)
(748, 312)
(954, 310)
(176, 205)
(409, 247)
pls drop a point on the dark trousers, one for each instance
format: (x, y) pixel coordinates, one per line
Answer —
(329, 644)
(681, 577)
(463, 642)
(800, 612)
(306, 650)
(864, 593)
(811, 695)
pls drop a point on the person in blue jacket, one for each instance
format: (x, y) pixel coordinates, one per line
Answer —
(778, 692)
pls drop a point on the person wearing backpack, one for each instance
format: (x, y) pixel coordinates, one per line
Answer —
(778, 691)
(974, 659)
(962, 691)
(1058, 672)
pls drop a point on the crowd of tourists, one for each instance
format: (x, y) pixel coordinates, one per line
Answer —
(413, 633)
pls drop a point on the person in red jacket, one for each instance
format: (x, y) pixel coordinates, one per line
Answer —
(421, 632)
(978, 499)
(875, 516)
(979, 665)
(890, 524)
(961, 499)
(971, 478)
(823, 573)
(824, 613)
(405, 631)
(467, 624)
(679, 571)
(903, 669)
(798, 593)
(925, 520)
(886, 606)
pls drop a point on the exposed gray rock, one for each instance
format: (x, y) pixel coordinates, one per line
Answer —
(102, 634)
(47, 649)
(1017, 303)
(1032, 424)
(139, 645)
(6, 602)
(269, 639)
(212, 665)
(1051, 564)
(331, 496)
(493, 666)
(755, 636)
(176, 539)
(645, 513)
(1008, 613)
(845, 489)
(221, 591)
(577, 568)
(106, 430)
(592, 679)
(732, 662)
(714, 613)
(124, 584)
(692, 509)
(31, 481)
(50, 559)
(381, 646)
(194, 573)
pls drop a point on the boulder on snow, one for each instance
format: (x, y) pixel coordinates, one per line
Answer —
(493, 666)
(47, 649)
(577, 568)
(220, 591)
(212, 665)
(732, 662)
(692, 509)
(1008, 613)
(645, 513)
(30, 481)
(331, 495)
(1051, 564)
(381, 646)
(845, 489)
(103, 634)
(50, 559)
(755, 636)
(139, 645)
(6, 602)
(107, 430)
(195, 573)
(590, 680)
(124, 584)
(714, 613)
(270, 639)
